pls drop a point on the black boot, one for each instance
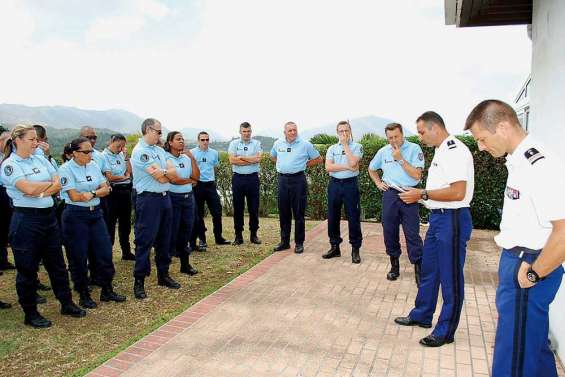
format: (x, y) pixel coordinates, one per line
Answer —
(70, 309)
(86, 301)
(167, 281)
(202, 246)
(254, 239)
(333, 252)
(107, 294)
(34, 319)
(238, 239)
(40, 299)
(355, 258)
(5, 305)
(222, 241)
(394, 272)
(128, 256)
(42, 287)
(418, 272)
(139, 288)
(185, 267)
(281, 247)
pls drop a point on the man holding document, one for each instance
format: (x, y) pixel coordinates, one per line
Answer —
(401, 162)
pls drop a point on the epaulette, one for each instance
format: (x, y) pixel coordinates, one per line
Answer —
(451, 144)
(533, 155)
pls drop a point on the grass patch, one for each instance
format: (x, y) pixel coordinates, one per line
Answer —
(76, 346)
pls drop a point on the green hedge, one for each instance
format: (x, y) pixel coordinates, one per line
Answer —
(490, 178)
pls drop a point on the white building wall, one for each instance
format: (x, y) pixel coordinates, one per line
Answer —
(547, 102)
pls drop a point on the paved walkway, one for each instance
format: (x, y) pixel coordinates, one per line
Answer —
(298, 315)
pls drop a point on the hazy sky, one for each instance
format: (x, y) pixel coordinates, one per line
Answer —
(216, 63)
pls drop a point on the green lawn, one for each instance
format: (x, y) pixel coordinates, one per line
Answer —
(75, 346)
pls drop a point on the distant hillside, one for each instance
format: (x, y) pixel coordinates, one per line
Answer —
(60, 117)
(266, 143)
(364, 125)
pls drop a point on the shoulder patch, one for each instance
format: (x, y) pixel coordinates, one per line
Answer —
(533, 155)
(144, 157)
(64, 181)
(421, 156)
(451, 144)
(8, 170)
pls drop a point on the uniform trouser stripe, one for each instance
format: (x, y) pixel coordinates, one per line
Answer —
(519, 342)
(456, 272)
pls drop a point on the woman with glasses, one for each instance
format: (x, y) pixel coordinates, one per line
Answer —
(118, 173)
(83, 223)
(30, 182)
(186, 173)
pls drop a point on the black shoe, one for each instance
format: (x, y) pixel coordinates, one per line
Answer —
(5, 305)
(34, 319)
(281, 247)
(222, 241)
(128, 256)
(40, 300)
(299, 249)
(333, 252)
(72, 310)
(43, 287)
(86, 301)
(7, 266)
(417, 273)
(167, 281)
(202, 246)
(238, 240)
(95, 282)
(254, 239)
(189, 270)
(394, 272)
(139, 289)
(107, 294)
(433, 341)
(355, 258)
(407, 321)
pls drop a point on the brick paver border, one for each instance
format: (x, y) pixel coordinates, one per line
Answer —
(155, 340)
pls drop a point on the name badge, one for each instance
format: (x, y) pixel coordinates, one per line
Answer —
(282, 150)
(203, 159)
(289, 150)
(118, 162)
(181, 165)
(89, 178)
(244, 148)
(36, 170)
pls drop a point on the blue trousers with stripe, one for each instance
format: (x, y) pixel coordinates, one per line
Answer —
(443, 260)
(521, 347)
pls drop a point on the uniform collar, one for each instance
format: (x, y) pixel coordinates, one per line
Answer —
(296, 141)
(202, 150)
(350, 143)
(74, 164)
(243, 142)
(109, 151)
(19, 158)
(513, 158)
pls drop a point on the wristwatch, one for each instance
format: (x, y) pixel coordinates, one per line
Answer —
(533, 276)
(93, 192)
(424, 195)
(165, 172)
(401, 162)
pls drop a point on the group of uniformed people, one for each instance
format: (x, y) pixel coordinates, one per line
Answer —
(532, 228)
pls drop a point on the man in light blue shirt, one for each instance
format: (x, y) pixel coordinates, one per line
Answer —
(205, 192)
(97, 156)
(153, 209)
(342, 163)
(401, 162)
(245, 155)
(292, 156)
(43, 145)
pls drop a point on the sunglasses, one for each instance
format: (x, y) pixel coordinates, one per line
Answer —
(86, 152)
(94, 137)
(204, 139)
(159, 132)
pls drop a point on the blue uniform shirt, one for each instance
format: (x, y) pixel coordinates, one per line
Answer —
(142, 157)
(183, 167)
(34, 168)
(337, 155)
(98, 157)
(240, 148)
(116, 164)
(292, 157)
(82, 179)
(40, 152)
(206, 161)
(393, 172)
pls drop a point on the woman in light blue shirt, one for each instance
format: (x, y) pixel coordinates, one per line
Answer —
(83, 223)
(30, 182)
(182, 199)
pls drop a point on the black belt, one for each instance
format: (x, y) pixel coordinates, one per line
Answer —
(445, 210)
(149, 193)
(180, 194)
(292, 174)
(122, 187)
(245, 175)
(519, 251)
(34, 211)
(206, 183)
(344, 180)
(74, 207)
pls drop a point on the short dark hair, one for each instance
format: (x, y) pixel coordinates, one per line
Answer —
(491, 112)
(245, 125)
(170, 136)
(431, 117)
(117, 137)
(74, 145)
(40, 131)
(148, 123)
(201, 133)
(394, 126)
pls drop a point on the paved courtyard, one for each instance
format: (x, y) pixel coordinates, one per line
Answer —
(299, 315)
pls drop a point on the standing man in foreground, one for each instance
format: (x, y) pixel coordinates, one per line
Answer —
(153, 208)
(532, 238)
(205, 192)
(449, 190)
(401, 162)
(292, 156)
(342, 162)
(245, 155)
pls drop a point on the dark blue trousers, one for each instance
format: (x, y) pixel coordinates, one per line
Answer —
(521, 347)
(344, 193)
(396, 213)
(119, 212)
(182, 223)
(34, 237)
(5, 217)
(245, 187)
(292, 200)
(443, 260)
(206, 193)
(153, 221)
(83, 230)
